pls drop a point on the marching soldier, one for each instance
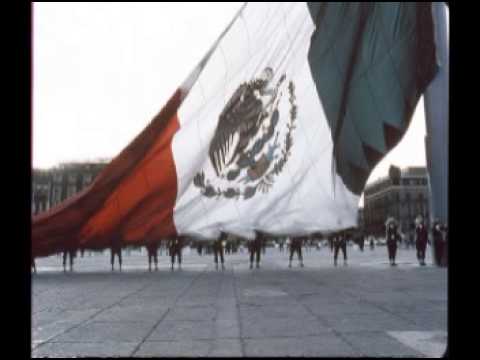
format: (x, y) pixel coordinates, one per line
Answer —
(392, 236)
(445, 247)
(72, 253)
(296, 246)
(175, 249)
(421, 240)
(116, 249)
(218, 249)
(152, 249)
(199, 248)
(438, 244)
(340, 242)
(361, 241)
(254, 248)
(331, 240)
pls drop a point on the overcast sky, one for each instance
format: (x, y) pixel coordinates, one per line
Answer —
(102, 71)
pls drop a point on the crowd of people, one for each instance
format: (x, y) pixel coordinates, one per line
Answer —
(337, 241)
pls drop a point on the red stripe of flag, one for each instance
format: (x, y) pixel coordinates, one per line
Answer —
(131, 199)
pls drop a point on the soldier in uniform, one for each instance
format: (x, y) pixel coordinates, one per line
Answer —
(296, 246)
(340, 242)
(392, 236)
(72, 253)
(438, 244)
(281, 242)
(445, 246)
(152, 249)
(116, 249)
(421, 240)
(254, 248)
(361, 241)
(199, 248)
(218, 249)
(331, 241)
(175, 249)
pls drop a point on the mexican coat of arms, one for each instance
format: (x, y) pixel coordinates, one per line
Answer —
(252, 141)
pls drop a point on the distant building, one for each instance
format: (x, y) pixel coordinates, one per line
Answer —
(52, 186)
(404, 200)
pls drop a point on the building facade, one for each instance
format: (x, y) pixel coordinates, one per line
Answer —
(404, 199)
(51, 187)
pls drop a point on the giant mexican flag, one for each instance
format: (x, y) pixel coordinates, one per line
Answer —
(276, 129)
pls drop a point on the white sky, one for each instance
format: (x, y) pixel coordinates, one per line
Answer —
(102, 71)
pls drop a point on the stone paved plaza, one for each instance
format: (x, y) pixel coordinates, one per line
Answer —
(364, 309)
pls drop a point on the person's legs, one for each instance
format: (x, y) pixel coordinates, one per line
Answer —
(64, 260)
(215, 256)
(251, 250)
(120, 258)
(438, 251)
(300, 257)
(424, 246)
(292, 249)
(112, 257)
(258, 250)
(71, 255)
(179, 257)
(149, 260)
(394, 253)
(222, 258)
(335, 254)
(344, 250)
(389, 249)
(172, 256)
(155, 259)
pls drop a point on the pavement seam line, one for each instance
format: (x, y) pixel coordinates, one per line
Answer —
(349, 294)
(239, 320)
(321, 320)
(90, 317)
(187, 287)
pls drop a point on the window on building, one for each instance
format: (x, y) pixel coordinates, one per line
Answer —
(56, 194)
(71, 190)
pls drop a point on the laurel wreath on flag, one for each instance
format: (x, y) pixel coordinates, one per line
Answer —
(267, 180)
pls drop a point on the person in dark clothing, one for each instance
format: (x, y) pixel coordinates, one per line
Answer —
(264, 245)
(331, 241)
(372, 243)
(152, 249)
(438, 242)
(421, 240)
(72, 253)
(340, 242)
(116, 249)
(218, 249)
(199, 248)
(392, 236)
(228, 247)
(296, 246)
(254, 248)
(361, 241)
(175, 250)
(445, 246)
